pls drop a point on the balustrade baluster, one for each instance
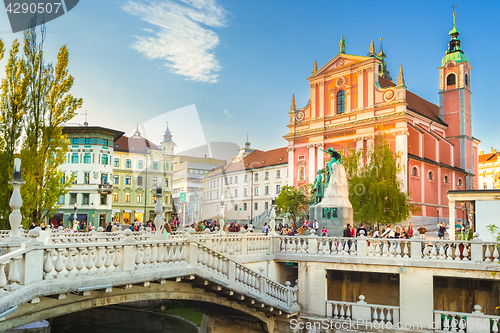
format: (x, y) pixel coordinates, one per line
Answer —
(375, 316)
(377, 249)
(59, 265)
(449, 252)
(495, 326)
(98, 260)
(70, 263)
(434, 252)
(335, 312)
(398, 245)
(388, 317)
(495, 252)
(138, 256)
(406, 251)
(108, 262)
(441, 251)
(370, 249)
(178, 253)
(205, 257)
(342, 313)
(385, 250)
(462, 324)
(215, 263)
(348, 312)
(220, 266)
(3, 277)
(153, 255)
(465, 253)
(446, 323)
(89, 264)
(454, 324)
(382, 317)
(145, 256)
(426, 251)
(116, 259)
(283, 244)
(320, 247)
(80, 264)
(487, 253)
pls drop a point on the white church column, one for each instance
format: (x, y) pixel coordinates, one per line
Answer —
(311, 163)
(452, 213)
(401, 146)
(321, 156)
(360, 89)
(291, 163)
(321, 103)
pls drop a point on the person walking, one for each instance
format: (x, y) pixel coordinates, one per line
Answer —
(361, 228)
(166, 230)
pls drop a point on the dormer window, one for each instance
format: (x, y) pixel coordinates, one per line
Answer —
(340, 102)
(451, 80)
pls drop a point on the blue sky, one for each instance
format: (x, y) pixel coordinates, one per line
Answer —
(236, 64)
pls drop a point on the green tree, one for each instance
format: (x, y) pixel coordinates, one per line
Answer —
(375, 191)
(293, 201)
(12, 110)
(44, 149)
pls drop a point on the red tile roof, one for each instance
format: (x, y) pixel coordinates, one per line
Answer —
(487, 157)
(134, 144)
(255, 160)
(416, 103)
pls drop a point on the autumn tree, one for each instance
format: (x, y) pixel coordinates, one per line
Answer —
(293, 201)
(375, 190)
(44, 148)
(35, 103)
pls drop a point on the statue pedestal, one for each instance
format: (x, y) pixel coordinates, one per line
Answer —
(335, 210)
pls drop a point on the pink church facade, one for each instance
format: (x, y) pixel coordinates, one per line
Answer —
(353, 98)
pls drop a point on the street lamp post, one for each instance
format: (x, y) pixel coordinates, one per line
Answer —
(158, 211)
(272, 223)
(74, 215)
(148, 151)
(16, 202)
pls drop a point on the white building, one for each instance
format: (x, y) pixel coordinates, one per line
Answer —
(489, 169)
(89, 166)
(249, 183)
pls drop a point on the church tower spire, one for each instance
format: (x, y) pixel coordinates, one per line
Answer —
(382, 70)
(292, 107)
(315, 67)
(401, 78)
(372, 53)
(455, 106)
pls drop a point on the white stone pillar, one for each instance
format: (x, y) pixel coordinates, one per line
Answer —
(360, 89)
(313, 288)
(452, 212)
(321, 156)
(416, 299)
(348, 100)
(321, 96)
(311, 163)
(401, 146)
(313, 101)
(371, 81)
(291, 163)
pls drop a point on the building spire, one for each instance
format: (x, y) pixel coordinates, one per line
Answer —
(372, 53)
(454, 51)
(292, 107)
(342, 44)
(315, 67)
(137, 133)
(401, 78)
(382, 70)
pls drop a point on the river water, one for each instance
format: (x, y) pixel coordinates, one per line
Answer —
(111, 320)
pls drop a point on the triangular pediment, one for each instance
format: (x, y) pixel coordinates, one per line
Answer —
(339, 61)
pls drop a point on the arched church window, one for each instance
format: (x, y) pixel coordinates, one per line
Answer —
(414, 172)
(302, 174)
(340, 102)
(450, 80)
(446, 179)
(430, 175)
(459, 181)
(466, 79)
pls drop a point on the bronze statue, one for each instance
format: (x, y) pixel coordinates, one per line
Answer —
(318, 188)
(335, 158)
(342, 45)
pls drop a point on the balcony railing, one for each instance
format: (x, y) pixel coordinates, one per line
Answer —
(105, 188)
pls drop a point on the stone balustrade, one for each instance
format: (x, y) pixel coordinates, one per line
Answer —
(475, 322)
(114, 258)
(475, 251)
(362, 312)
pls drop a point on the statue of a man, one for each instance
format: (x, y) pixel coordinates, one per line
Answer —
(342, 45)
(318, 188)
(335, 158)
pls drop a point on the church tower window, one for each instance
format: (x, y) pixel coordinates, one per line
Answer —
(466, 80)
(340, 102)
(450, 80)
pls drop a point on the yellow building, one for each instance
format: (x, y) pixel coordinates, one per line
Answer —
(489, 169)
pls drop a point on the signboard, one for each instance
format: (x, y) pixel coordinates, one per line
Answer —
(183, 197)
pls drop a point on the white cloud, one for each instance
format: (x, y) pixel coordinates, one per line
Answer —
(179, 38)
(227, 113)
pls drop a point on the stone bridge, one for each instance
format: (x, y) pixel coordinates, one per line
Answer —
(69, 274)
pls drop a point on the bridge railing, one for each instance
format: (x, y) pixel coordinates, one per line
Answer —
(48, 263)
(415, 248)
(237, 244)
(362, 312)
(475, 322)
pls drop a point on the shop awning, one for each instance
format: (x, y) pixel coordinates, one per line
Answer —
(139, 210)
(126, 211)
(115, 211)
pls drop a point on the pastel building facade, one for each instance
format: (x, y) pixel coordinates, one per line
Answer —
(353, 98)
(489, 170)
(249, 183)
